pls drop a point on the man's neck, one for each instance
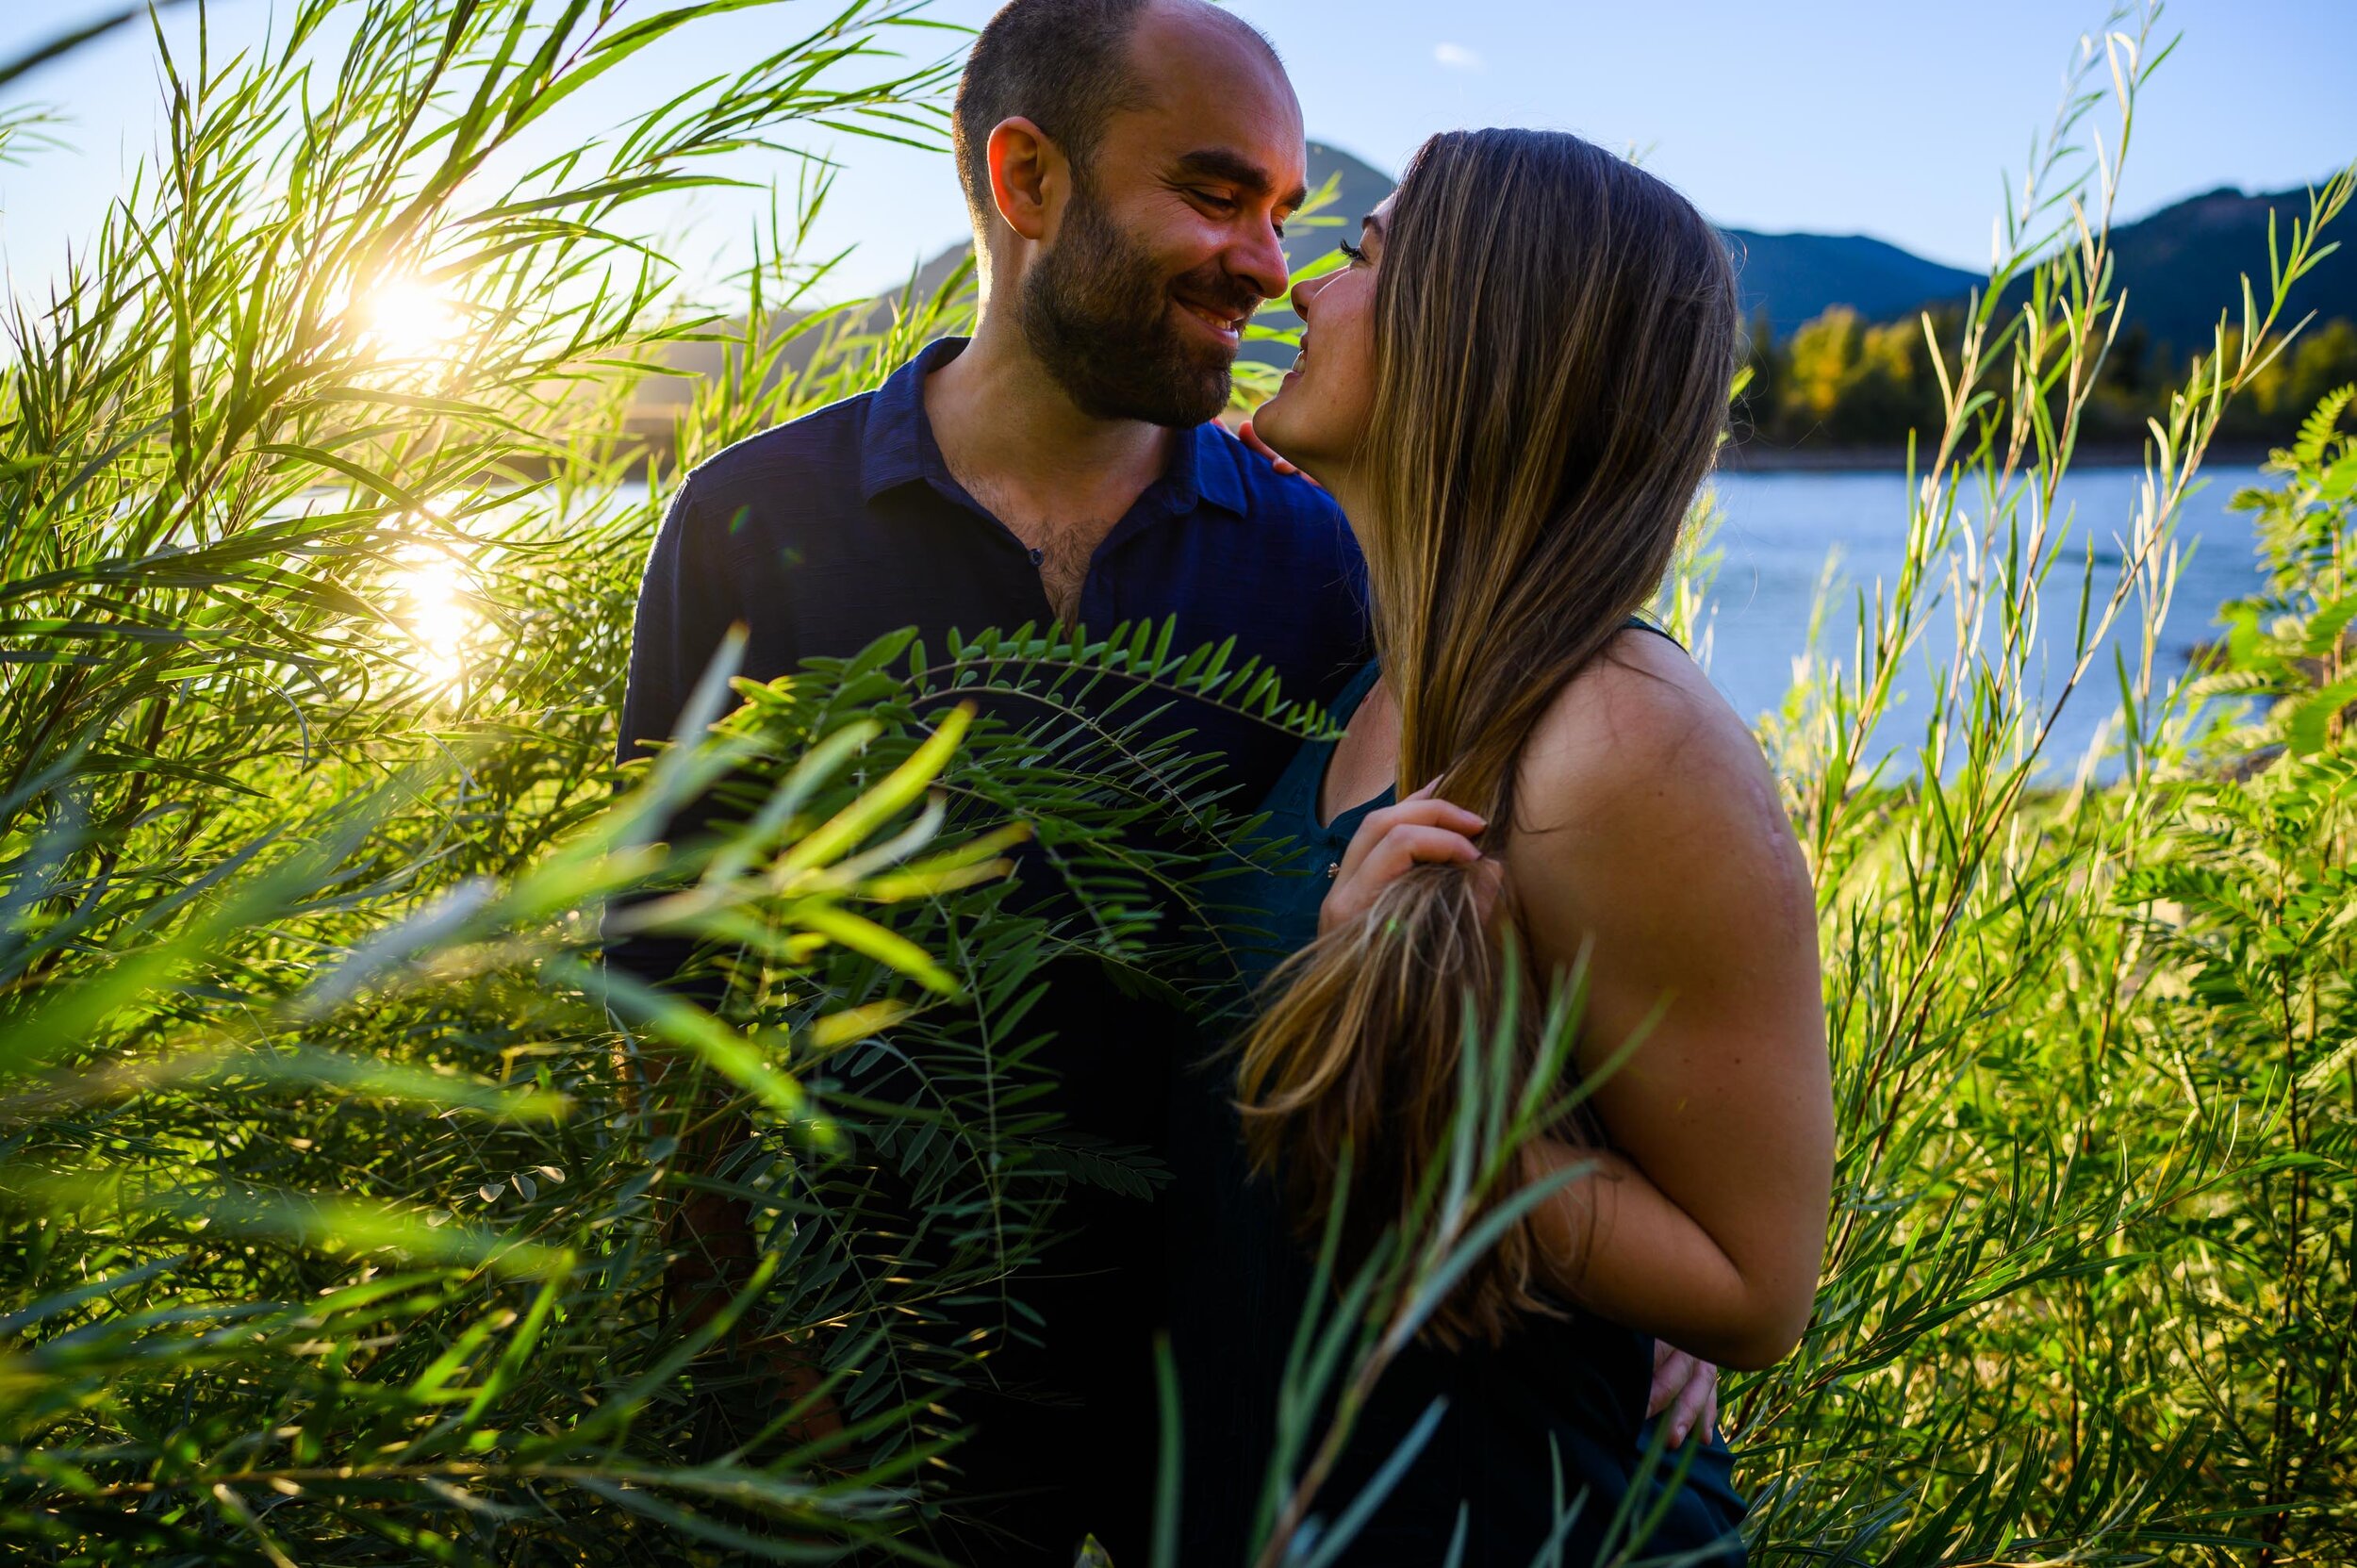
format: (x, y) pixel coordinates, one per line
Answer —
(1059, 478)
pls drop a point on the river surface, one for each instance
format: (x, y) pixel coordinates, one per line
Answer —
(1778, 529)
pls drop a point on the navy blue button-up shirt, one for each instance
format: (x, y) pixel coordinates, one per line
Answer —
(824, 533)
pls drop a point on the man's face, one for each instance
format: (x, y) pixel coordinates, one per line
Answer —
(1169, 240)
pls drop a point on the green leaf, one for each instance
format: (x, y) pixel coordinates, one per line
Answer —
(2308, 730)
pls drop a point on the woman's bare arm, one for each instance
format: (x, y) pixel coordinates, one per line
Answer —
(1650, 834)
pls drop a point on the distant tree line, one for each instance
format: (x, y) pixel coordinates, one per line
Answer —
(1842, 381)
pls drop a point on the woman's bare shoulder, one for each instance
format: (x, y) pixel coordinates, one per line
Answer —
(1640, 716)
(1640, 763)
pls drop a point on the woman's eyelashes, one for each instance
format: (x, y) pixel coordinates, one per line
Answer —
(1350, 252)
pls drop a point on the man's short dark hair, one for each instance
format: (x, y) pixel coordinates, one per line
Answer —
(1061, 64)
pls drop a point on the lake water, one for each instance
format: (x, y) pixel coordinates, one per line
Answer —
(1778, 528)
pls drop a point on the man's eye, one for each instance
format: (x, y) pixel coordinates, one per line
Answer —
(1213, 198)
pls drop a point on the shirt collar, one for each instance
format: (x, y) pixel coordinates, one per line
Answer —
(1214, 461)
(898, 447)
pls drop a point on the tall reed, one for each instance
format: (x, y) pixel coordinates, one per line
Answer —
(2023, 1144)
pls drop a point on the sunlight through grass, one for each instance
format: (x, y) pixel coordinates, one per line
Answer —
(432, 605)
(410, 320)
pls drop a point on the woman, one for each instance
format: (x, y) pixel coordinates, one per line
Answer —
(1514, 389)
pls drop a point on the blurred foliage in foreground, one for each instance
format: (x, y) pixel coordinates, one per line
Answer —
(333, 1185)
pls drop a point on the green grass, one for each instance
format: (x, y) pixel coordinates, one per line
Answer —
(332, 1185)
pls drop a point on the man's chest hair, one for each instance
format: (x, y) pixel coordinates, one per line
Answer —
(1061, 548)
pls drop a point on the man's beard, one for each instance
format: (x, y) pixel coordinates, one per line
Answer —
(1098, 315)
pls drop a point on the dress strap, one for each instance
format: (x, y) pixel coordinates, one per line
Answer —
(1641, 624)
(1353, 693)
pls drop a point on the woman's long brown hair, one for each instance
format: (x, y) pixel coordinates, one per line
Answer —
(1555, 338)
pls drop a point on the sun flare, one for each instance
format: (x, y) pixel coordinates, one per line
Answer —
(431, 604)
(408, 319)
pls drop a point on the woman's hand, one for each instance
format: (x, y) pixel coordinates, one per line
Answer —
(1420, 831)
(1251, 438)
(1688, 1388)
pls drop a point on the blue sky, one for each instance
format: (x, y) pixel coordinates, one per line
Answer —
(1895, 119)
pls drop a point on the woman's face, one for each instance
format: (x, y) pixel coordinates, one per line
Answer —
(1318, 415)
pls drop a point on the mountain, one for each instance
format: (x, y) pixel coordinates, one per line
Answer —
(1794, 277)
(2177, 267)
(2173, 270)
(2183, 265)
(1359, 189)
(658, 400)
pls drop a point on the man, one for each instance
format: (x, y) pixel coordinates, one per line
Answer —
(1128, 166)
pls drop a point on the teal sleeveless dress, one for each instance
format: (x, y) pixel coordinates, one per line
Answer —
(1557, 1409)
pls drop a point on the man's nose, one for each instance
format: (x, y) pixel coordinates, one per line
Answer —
(1261, 261)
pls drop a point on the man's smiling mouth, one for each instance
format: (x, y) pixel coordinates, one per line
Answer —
(1219, 322)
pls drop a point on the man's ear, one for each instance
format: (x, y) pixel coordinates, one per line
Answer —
(1028, 175)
